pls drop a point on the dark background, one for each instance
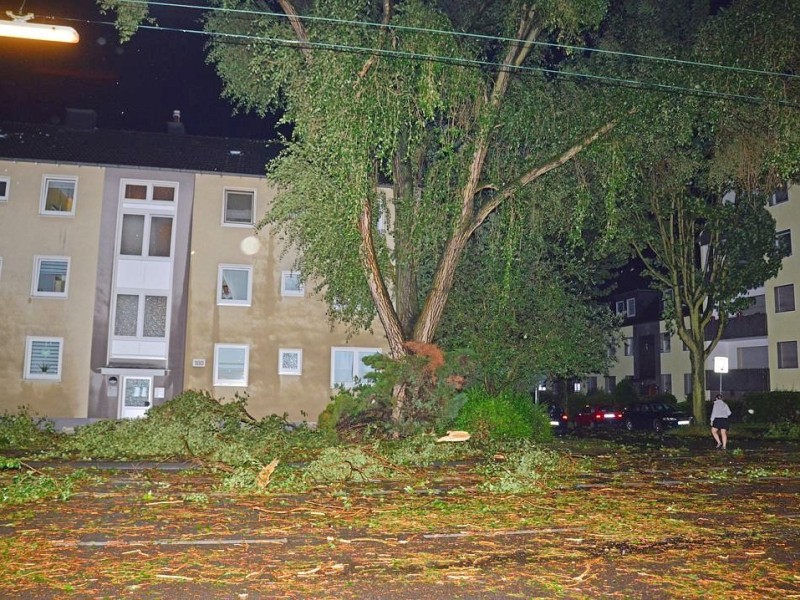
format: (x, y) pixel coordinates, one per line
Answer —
(133, 86)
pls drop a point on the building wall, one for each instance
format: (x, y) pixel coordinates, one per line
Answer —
(785, 326)
(24, 233)
(272, 321)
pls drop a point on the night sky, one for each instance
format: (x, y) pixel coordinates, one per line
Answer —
(133, 86)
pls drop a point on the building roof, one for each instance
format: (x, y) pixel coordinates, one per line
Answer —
(174, 151)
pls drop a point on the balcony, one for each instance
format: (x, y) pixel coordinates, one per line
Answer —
(739, 380)
(745, 326)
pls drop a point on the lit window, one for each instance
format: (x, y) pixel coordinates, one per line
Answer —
(231, 364)
(5, 184)
(290, 362)
(787, 355)
(666, 343)
(43, 358)
(239, 207)
(58, 196)
(291, 284)
(235, 285)
(628, 345)
(50, 276)
(784, 298)
(148, 191)
(347, 365)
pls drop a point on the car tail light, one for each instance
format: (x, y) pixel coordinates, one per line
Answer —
(598, 416)
(564, 417)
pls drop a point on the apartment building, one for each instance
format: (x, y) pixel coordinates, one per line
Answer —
(760, 344)
(130, 271)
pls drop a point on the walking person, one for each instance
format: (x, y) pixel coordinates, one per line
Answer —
(719, 422)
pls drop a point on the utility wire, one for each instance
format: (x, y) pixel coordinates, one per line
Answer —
(465, 62)
(477, 36)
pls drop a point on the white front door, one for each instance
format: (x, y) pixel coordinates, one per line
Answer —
(137, 397)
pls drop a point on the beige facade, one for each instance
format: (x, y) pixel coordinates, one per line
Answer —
(52, 318)
(138, 287)
(286, 334)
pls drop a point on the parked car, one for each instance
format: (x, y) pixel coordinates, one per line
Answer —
(656, 416)
(559, 420)
(597, 415)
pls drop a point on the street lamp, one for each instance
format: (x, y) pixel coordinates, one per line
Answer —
(19, 27)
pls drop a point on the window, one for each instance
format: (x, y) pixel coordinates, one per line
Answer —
(666, 343)
(290, 361)
(1, 267)
(5, 184)
(666, 383)
(147, 191)
(291, 284)
(58, 196)
(591, 384)
(140, 316)
(347, 365)
(239, 207)
(235, 285)
(610, 384)
(784, 298)
(50, 276)
(753, 357)
(787, 355)
(687, 384)
(231, 364)
(784, 240)
(157, 230)
(685, 347)
(626, 308)
(43, 358)
(628, 344)
(780, 196)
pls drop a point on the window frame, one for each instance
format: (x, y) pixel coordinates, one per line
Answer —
(665, 343)
(627, 346)
(779, 196)
(5, 194)
(355, 351)
(778, 308)
(248, 301)
(46, 180)
(781, 359)
(630, 307)
(285, 371)
(292, 293)
(37, 265)
(219, 382)
(780, 235)
(665, 383)
(224, 221)
(149, 195)
(29, 341)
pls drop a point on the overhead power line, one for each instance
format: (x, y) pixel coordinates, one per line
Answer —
(459, 61)
(477, 36)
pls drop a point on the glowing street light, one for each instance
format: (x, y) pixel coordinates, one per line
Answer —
(19, 27)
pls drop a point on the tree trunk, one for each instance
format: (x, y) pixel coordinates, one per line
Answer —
(698, 386)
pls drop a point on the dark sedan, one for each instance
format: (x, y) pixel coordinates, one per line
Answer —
(656, 416)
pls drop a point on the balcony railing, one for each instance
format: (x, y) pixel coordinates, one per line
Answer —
(739, 380)
(746, 326)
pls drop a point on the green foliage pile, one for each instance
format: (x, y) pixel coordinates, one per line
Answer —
(422, 450)
(526, 468)
(31, 486)
(434, 398)
(25, 431)
(191, 425)
(505, 416)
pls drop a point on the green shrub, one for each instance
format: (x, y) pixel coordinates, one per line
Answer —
(767, 407)
(626, 393)
(784, 431)
(505, 416)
